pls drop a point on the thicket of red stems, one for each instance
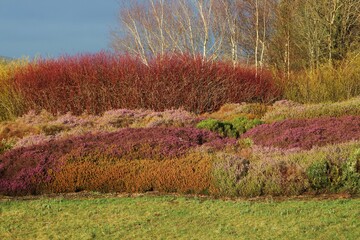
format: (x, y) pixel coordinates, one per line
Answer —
(95, 83)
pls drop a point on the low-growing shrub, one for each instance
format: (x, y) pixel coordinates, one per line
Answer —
(52, 129)
(228, 171)
(34, 128)
(6, 144)
(328, 176)
(236, 176)
(33, 139)
(242, 125)
(319, 170)
(285, 109)
(24, 170)
(273, 178)
(351, 173)
(233, 128)
(228, 111)
(223, 128)
(306, 133)
(121, 118)
(318, 174)
(187, 174)
(11, 130)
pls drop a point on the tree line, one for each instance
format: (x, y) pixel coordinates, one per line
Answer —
(289, 35)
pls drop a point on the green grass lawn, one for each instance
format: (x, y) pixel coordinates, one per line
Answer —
(170, 217)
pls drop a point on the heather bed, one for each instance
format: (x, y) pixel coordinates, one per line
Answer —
(32, 128)
(112, 162)
(306, 133)
(182, 160)
(285, 109)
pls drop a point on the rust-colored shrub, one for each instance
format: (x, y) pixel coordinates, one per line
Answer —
(229, 111)
(187, 174)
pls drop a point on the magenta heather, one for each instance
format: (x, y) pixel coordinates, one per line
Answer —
(306, 133)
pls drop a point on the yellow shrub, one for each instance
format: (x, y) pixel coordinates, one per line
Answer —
(10, 100)
(327, 83)
(8, 68)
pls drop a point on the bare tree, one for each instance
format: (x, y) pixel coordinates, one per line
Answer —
(291, 34)
(156, 28)
(133, 41)
(284, 50)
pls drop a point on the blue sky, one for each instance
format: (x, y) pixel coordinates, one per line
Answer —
(51, 28)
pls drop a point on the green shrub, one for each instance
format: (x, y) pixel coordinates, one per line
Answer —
(252, 185)
(242, 124)
(318, 175)
(325, 176)
(234, 128)
(225, 129)
(228, 171)
(351, 173)
(329, 176)
(210, 124)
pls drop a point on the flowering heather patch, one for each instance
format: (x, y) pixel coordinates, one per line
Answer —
(30, 140)
(70, 121)
(35, 128)
(306, 133)
(24, 170)
(286, 109)
(121, 118)
(100, 82)
(319, 170)
(167, 118)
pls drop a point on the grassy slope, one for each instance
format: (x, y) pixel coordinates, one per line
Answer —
(178, 218)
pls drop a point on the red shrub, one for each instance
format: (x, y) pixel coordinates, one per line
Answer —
(103, 81)
(306, 133)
